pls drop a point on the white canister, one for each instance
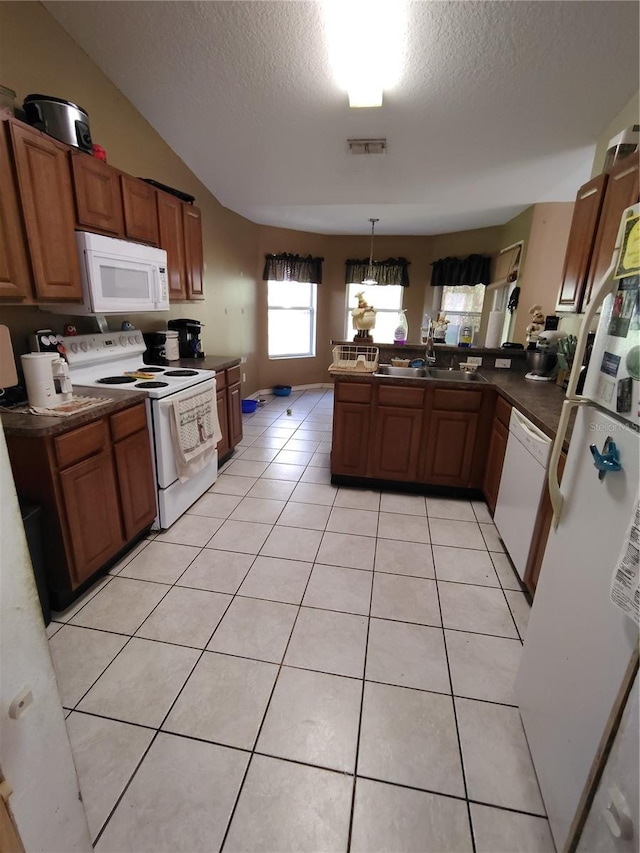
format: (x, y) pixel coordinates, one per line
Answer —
(38, 377)
(171, 349)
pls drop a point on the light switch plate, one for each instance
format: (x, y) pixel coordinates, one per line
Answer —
(475, 359)
(503, 362)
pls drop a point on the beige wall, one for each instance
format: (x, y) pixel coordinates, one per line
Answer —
(36, 55)
(542, 272)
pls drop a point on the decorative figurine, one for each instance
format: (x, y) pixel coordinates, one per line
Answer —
(364, 319)
(127, 326)
(536, 325)
(440, 329)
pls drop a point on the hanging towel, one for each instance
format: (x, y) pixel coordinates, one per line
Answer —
(195, 432)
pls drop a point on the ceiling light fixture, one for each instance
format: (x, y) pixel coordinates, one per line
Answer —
(366, 40)
(370, 270)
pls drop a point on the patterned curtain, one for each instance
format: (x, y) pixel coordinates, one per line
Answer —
(456, 271)
(286, 267)
(391, 271)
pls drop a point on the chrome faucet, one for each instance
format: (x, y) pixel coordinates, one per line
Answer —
(430, 353)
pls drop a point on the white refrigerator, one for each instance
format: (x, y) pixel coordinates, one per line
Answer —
(580, 648)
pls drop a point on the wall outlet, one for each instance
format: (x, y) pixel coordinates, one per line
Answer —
(475, 359)
(503, 362)
(244, 377)
(243, 359)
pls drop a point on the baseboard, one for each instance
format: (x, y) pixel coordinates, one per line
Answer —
(268, 392)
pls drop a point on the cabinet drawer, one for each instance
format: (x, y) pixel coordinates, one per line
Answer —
(503, 411)
(233, 375)
(392, 395)
(353, 392)
(127, 422)
(452, 400)
(81, 443)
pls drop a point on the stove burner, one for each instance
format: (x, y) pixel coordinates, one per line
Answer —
(181, 373)
(152, 384)
(146, 369)
(116, 380)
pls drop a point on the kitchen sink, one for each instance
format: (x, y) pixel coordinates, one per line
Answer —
(432, 373)
(406, 372)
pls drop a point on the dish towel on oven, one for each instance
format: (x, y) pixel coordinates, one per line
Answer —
(195, 431)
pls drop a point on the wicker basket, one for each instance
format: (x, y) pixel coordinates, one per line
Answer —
(351, 358)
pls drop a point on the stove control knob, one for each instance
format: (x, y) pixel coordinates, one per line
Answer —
(122, 341)
(84, 346)
(138, 339)
(74, 347)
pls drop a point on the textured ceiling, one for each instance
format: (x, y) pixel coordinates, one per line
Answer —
(499, 105)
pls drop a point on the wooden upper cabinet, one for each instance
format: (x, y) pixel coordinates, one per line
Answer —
(171, 231)
(44, 184)
(15, 271)
(580, 246)
(622, 191)
(98, 195)
(192, 220)
(140, 211)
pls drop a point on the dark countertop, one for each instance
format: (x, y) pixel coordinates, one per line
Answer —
(209, 362)
(541, 402)
(37, 426)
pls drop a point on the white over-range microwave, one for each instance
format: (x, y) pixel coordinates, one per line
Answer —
(118, 277)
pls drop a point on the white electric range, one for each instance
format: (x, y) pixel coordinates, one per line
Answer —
(103, 361)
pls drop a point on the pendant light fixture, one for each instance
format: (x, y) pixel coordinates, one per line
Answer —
(370, 271)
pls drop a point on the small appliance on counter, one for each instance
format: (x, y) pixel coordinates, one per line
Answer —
(61, 119)
(47, 378)
(45, 340)
(162, 347)
(189, 331)
(543, 360)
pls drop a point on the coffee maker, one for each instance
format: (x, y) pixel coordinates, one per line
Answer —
(189, 332)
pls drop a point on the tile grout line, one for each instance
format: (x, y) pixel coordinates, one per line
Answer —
(455, 713)
(359, 732)
(264, 716)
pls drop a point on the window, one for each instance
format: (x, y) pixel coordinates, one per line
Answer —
(386, 299)
(291, 319)
(463, 307)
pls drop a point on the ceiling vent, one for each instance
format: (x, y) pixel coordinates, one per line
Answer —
(367, 146)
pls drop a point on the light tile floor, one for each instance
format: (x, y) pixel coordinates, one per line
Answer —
(295, 666)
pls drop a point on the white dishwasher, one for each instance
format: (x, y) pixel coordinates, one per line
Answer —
(521, 485)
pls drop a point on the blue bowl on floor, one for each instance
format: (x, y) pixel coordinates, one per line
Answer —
(282, 390)
(249, 406)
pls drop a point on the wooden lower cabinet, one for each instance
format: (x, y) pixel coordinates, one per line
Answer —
(450, 448)
(350, 443)
(396, 443)
(96, 489)
(495, 461)
(229, 402)
(541, 534)
(135, 482)
(420, 434)
(92, 513)
(234, 400)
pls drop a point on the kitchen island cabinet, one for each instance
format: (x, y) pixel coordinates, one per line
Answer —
(425, 434)
(95, 485)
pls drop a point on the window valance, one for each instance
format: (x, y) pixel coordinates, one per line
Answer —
(451, 272)
(391, 271)
(285, 267)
